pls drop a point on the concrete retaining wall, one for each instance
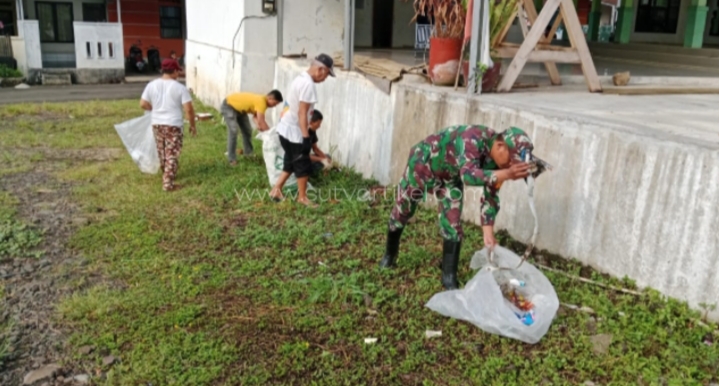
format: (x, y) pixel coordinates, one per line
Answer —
(79, 76)
(357, 119)
(627, 203)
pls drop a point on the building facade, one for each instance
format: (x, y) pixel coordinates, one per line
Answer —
(151, 24)
(85, 39)
(70, 39)
(691, 23)
(233, 45)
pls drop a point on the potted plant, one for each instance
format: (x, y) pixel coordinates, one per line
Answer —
(500, 12)
(445, 43)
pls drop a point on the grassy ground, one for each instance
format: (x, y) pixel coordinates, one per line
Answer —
(206, 287)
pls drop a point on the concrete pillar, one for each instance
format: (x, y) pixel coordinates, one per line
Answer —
(595, 16)
(696, 22)
(349, 32)
(119, 13)
(280, 28)
(20, 13)
(625, 20)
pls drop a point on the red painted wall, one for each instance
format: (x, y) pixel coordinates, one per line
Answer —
(583, 9)
(141, 25)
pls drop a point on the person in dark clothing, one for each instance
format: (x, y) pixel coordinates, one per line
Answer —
(319, 159)
(425, 17)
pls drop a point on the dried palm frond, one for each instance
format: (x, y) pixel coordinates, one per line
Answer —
(449, 16)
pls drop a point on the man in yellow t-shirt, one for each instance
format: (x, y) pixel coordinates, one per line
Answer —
(236, 109)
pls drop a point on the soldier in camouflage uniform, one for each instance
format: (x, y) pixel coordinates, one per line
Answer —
(442, 165)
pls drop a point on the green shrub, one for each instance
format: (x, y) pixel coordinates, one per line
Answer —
(7, 72)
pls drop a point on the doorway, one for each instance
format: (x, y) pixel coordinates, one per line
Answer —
(713, 19)
(382, 20)
(657, 16)
(8, 18)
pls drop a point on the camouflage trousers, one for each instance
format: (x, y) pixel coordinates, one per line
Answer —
(416, 183)
(169, 145)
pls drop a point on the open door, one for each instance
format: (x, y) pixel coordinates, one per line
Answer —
(8, 25)
(382, 20)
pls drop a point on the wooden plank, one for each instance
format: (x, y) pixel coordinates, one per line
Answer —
(530, 42)
(531, 11)
(551, 67)
(541, 56)
(523, 20)
(553, 31)
(553, 72)
(660, 90)
(545, 47)
(576, 36)
(533, 14)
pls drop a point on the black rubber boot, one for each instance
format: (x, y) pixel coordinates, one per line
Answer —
(389, 260)
(450, 262)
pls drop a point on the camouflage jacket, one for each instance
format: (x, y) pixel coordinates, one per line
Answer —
(460, 154)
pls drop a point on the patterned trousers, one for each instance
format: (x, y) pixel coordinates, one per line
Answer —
(169, 145)
(418, 181)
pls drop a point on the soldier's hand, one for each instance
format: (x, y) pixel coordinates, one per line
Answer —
(488, 235)
(518, 171)
(193, 130)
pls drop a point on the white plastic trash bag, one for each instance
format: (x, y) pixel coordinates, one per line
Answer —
(274, 156)
(482, 303)
(139, 140)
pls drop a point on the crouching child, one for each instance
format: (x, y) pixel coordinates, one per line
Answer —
(319, 159)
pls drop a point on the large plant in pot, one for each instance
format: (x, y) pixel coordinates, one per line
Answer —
(500, 13)
(445, 43)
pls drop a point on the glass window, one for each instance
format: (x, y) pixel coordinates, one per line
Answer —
(658, 16)
(55, 21)
(171, 22)
(94, 12)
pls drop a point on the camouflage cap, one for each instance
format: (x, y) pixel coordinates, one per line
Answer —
(519, 144)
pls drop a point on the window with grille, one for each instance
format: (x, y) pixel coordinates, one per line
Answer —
(171, 22)
(55, 21)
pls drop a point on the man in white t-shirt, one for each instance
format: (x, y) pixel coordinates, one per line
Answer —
(166, 98)
(294, 127)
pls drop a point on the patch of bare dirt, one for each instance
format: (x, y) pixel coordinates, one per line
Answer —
(33, 286)
(50, 154)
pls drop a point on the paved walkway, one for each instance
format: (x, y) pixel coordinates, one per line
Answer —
(41, 94)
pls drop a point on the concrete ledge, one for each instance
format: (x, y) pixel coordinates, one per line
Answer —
(56, 79)
(11, 82)
(78, 75)
(634, 81)
(99, 76)
(701, 59)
